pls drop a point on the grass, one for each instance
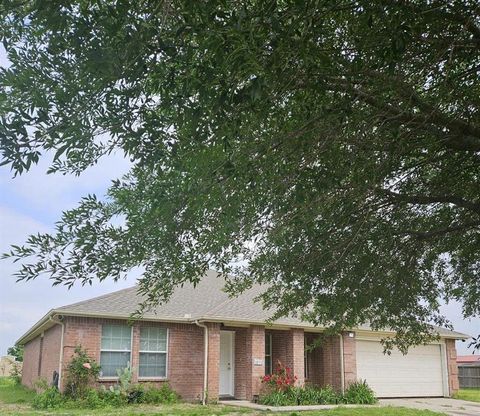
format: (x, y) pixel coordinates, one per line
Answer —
(16, 401)
(14, 394)
(472, 395)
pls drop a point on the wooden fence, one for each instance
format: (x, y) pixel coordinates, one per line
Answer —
(469, 376)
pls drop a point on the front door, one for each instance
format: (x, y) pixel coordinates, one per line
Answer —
(226, 363)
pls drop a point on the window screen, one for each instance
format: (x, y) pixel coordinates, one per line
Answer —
(115, 349)
(153, 352)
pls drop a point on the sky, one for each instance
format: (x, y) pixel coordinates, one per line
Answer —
(32, 203)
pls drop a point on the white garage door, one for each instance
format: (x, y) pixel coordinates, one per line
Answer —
(417, 374)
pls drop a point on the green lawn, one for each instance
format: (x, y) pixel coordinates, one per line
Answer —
(15, 401)
(12, 394)
(472, 395)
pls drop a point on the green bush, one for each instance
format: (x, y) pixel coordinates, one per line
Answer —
(136, 394)
(16, 373)
(93, 400)
(113, 398)
(51, 398)
(152, 395)
(278, 398)
(304, 396)
(163, 395)
(311, 395)
(48, 399)
(359, 392)
(82, 371)
(356, 393)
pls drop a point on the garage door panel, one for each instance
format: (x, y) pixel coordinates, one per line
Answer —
(419, 373)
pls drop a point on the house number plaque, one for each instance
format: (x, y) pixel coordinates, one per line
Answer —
(257, 361)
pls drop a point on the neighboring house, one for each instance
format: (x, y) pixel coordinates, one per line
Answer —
(7, 364)
(204, 341)
(471, 359)
(469, 371)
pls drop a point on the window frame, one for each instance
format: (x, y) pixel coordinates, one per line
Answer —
(140, 378)
(270, 356)
(306, 360)
(109, 378)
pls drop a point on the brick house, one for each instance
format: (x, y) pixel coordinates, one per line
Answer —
(204, 341)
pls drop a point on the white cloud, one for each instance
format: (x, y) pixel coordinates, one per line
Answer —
(51, 194)
(30, 204)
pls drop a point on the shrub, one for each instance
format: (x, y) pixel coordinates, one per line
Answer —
(124, 379)
(278, 398)
(113, 398)
(41, 384)
(136, 394)
(82, 371)
(163, 395)
(93, 400)
(118, 394)
(310, 395)
(359, 392)
(150, 394)
(48, 399)
(16, 373)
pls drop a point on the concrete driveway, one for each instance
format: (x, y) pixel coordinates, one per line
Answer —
(449, 406)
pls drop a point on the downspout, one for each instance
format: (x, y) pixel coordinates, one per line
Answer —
(60, 361)
(342, 365)
(205, 361)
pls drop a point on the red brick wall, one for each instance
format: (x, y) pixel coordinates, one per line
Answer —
(42, 356)
(255, 350)
(185, 359)
(295, 354)
(330, 362)
(30, 362)
(349, 359)
(452, 367)
(185, 350)
(213, 378)
(315, 360)
(51, 352)
(325, 361)
(279, 347)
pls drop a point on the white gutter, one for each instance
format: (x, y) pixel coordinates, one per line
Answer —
(205, 361)
(342, 365)
(60, 361)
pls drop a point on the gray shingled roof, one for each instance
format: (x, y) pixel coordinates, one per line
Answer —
(207, 301)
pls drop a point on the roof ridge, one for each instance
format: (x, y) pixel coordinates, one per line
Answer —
(96, 298)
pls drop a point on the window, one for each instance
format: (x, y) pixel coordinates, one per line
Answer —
(306, 355)
(115, 349)
(268, 353)
(153, 352)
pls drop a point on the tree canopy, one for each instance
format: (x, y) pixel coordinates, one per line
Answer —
(329, 149)
(16, 351)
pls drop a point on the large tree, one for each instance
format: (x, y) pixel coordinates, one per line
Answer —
(329, 149)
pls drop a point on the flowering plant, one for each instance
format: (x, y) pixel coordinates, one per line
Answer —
(282, 379)
(82, 371)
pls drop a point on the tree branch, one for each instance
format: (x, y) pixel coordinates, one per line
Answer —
(424, 235)
(465, 136)
(431, 199)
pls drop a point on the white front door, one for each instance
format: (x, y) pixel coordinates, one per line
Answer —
(226, 363)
